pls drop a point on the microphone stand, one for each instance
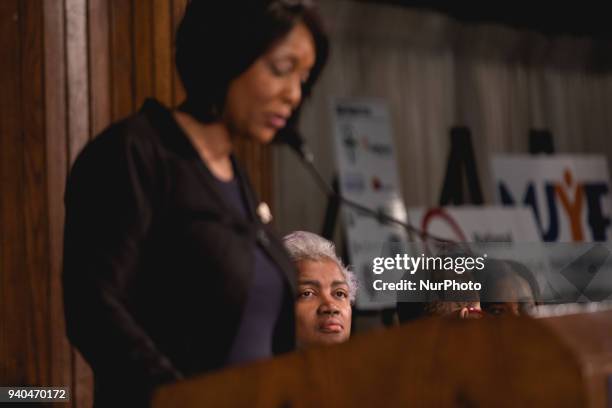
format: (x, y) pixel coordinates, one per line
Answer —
(307, 158)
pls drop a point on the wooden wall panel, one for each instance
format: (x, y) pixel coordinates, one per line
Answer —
(99, 65)
(121, 74)
(78, 102)
(163, 55)
(266, 167)
(69, 68)
(77, 76)
(35, 269)
(56, 165)
(13, 342)
(142, 61)
(178, 8)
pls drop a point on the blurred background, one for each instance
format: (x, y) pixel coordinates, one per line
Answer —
(71, 67)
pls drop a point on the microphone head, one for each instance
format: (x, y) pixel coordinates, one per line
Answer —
(290, 137)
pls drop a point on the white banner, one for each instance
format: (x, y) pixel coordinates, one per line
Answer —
(476, 224)
(568, 194)
(367, 174)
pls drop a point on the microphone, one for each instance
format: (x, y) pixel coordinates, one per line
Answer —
(293, 139)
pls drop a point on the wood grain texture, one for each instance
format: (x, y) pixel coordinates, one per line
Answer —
(78, 102)
(178, 9)
(434, 362)
(77, 76)
(267, 169)
(56, 168)
(257, 161)
(163, 55)
(99, 65)
(14, 342)
(143, 62)
(35, 273)
(122, 91)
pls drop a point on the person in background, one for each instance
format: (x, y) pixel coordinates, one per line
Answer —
(508, 289)
(326, 290)
(169, 268)
(464, 304)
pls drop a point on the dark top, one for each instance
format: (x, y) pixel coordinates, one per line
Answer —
(253, 340)
(158, 264)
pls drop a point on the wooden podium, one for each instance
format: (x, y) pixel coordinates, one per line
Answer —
(560, 361)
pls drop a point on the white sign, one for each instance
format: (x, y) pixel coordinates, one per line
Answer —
(476, 224)
(569, 195)
(505, 233)
(367, 175)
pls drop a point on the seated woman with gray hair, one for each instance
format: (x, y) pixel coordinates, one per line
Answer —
(326, 290)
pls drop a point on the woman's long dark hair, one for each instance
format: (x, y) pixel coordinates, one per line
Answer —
(218, 40)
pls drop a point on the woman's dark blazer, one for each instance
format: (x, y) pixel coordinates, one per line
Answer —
(157, 264)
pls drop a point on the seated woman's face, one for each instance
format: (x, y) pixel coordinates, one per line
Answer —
(260, 100)
(323, 307)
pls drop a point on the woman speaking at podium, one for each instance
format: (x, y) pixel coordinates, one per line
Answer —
(169, 270)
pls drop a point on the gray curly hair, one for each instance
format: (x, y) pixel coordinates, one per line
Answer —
(306, 246)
